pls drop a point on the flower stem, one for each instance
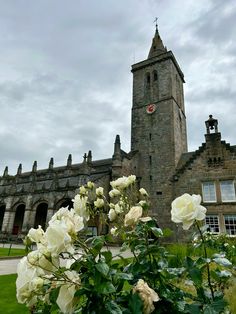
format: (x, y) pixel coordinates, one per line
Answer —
(207, 263)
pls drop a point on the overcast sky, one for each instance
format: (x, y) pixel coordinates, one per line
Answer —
(65, 81)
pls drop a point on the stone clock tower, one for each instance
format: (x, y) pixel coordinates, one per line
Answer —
(158, 130)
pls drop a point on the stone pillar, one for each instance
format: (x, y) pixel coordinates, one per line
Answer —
(49, 215)
(9, 216)
(27, 221)
(8, 221)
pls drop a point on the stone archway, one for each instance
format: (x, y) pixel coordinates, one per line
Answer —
(64, 203)
(41, 215)
(2, 212)
(19, 218)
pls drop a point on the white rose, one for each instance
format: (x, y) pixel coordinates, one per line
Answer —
(83, 191)
(90, 185)
(73, 222)
(133, 215)
(112, 214)
(119, 208)
(58, 239)
(100, 191)
(114, 231)
(187, 209)
(80, 206)
(37, 259)
(143, 192)
(37, 284)
(26, 274)
(36, 235)
(114, 193)
(131, 179)
(123, 182)
(99, 203)
(147, 295)
(66, 293)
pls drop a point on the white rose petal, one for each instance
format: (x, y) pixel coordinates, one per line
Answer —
(99, 203)
(90, 185)
(133, 215)
(27, 277)
(118, 208)
(112, 214)
(114, 231)
(147, 295)
(58, 238)
(114, 193)
(100, 191)
(36, 235)
(186, 209)
(145, 219)
(66, 293)
(80, 206)
(143, 192)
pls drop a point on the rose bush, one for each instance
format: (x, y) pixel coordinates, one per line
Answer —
(68, 273)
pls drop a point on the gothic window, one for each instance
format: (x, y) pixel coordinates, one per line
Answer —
(19, 217)
(230, 224)
(41, 215)
(212, 221)
(2, 212)
(209, 191)
(227, 191)
(154, 75)
(148, 80)
(150, 160)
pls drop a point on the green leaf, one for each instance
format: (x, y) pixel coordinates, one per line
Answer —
(222, 261)
(135, 304)
(103, 268)
(215, 307)
(107, 255)
(105, 287)
(157, 232)
(97, 245)
(192, 308)
(113, 308)
(124, 276)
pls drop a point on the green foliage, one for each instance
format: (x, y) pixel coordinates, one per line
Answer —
(8, 302)
(4, 252)
(157, 279)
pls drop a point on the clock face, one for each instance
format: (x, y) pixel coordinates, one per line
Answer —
(150, 108)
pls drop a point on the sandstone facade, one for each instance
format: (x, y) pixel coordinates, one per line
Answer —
(158, 158)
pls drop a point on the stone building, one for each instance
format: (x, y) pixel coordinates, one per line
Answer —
(158, 158)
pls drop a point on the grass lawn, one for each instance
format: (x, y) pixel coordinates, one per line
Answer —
(4, 251)
(8, 302)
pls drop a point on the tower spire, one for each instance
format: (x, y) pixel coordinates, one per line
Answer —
(157, 47)
(155, 21)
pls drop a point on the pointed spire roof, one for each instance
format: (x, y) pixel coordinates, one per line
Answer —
(157, 47)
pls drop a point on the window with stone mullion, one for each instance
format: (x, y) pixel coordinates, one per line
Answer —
(227, 191)
(209, 191)
(230, 224)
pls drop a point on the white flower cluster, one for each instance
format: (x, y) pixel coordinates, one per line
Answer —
(130, 214)
(35, 270)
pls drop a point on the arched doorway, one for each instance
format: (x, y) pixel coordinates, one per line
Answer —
(64, 203)
(41, 215)
(19, 218)
(2, 212)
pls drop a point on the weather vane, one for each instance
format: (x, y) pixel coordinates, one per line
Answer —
(155, 21)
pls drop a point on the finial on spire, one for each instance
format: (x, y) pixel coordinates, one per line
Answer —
(155, 21)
